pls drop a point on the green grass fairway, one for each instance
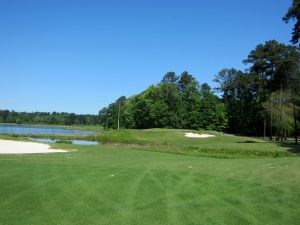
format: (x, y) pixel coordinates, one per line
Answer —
(109, 186)
(122, 184)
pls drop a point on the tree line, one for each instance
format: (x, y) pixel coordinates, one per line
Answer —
(53, 118)
(264, 99)
(176, 102)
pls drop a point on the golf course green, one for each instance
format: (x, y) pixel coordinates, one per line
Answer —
(135, 178)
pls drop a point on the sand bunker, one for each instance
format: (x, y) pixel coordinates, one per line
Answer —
(20, 147)
(194, 135)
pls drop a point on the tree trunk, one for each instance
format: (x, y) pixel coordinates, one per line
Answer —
(281, 114)
(285, 137)
(271, 122)
(265, 125)
(295, 123)
(119, 117)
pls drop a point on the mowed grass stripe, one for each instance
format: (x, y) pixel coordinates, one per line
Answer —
(147, 188)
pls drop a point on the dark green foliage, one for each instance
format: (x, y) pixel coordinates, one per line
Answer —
(274, 69)
(170, 78)
(273, 64)
(176, 102)
(238, 90)
(63, 142)
(185, 81)
(108, 116)
(213, 116)
(294, 14)
(54, 118)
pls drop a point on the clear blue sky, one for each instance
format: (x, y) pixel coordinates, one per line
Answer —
(80, 55)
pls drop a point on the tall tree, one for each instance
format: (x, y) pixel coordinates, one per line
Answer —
(185, 80)
(120, 105)
(211, 111)
(170, 77)
(273, 64)
(294, 14)
(279, 107)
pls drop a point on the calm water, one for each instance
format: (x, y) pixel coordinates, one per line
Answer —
(16, 129)
(75, 142)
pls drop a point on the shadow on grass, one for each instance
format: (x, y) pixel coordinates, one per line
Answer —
(289, 145)
(250, 142)
(292, 147)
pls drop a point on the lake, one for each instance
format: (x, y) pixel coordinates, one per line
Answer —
(42, 130)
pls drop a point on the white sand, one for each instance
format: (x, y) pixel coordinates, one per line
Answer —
(21, 147)
(194, 135)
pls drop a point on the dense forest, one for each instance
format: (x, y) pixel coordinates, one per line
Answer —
(176, 102)
(265, 98)
(54, 118)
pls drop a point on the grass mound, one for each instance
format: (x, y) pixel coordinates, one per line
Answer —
(174, 141)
